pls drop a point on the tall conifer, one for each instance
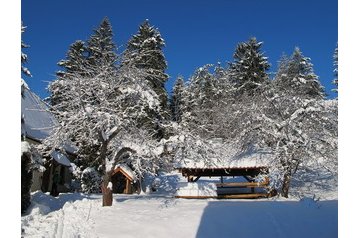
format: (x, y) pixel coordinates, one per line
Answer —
(250, 65)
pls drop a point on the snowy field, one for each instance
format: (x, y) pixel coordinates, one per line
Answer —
(160, 215)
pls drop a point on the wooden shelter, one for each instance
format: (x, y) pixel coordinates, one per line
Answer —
(124, 180)
(229, 190)
(244, 175)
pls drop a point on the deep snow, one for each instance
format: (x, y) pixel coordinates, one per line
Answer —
(160, 215)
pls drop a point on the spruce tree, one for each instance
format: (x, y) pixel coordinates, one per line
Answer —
(176, 102)
(101, 48)
(335, 64)
(85, 59)
(249, 67)
(75, 62)
(145, 51)
(296, 76)
(200, 101)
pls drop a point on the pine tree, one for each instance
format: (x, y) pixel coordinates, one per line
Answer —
(176, 102)
(207, 103)
(85, 59)
(296, 76)
(335, 64)
(75, 62)
(249, 67)
(101, 48)
(144, 51)
(24, 58)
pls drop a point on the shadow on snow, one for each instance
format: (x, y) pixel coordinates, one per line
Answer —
(304, 218)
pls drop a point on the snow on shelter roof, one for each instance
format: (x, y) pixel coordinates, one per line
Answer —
(38, 121)
(126, 171)
(60, 158)
(252, 158)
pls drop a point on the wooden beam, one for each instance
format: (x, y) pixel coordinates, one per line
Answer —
(246, 195)
(195, 197)
(217, 172)
(243, 184)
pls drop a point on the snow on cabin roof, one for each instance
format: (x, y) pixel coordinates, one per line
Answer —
(60, 158)
(252, 158)
(128, 172)
(38, 122)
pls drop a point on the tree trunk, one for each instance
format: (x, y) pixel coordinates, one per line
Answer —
(107, 195)
(286, 182)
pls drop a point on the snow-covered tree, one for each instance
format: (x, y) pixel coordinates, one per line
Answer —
(95, 116)
(335, 71)
(24, 57)
(250, 65)
(198, 101)
(301, 132)
(207, 102)
(76, 63)
(86, 59)
(101, 48)
(296, 75)
(176, 101)
(145, 51)
(26, 155)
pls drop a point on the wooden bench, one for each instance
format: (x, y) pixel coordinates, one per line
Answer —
(240, 186)
(243, 184)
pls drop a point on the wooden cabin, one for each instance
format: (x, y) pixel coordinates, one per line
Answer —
(37, 123)
(124, 180)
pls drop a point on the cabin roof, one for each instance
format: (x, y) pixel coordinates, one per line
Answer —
(38, 122)
(126, 171)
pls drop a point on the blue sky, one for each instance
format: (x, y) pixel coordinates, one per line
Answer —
(196, 32)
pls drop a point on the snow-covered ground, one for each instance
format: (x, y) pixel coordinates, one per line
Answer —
(160, 215)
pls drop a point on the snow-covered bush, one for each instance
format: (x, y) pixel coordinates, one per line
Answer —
(90, 181)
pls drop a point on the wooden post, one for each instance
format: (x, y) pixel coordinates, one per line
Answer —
(128, 187)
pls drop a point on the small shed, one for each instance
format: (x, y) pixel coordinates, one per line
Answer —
(124, 180)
